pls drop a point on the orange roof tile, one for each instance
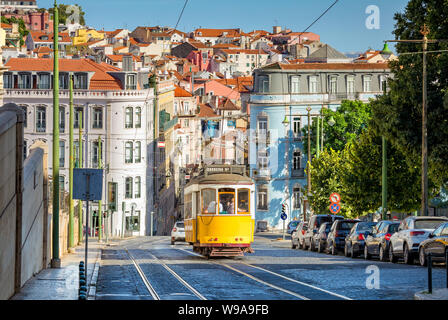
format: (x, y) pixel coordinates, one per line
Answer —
(181, 93)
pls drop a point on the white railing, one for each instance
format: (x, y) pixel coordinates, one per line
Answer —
(77, 94)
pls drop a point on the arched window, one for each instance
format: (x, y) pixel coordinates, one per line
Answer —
(129, 122)
(138, 152)
(128, 152)
(128, 188)
(138, 187)
(138, 117)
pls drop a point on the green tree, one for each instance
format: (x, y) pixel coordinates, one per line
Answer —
(349, 120)
(398, 114)
(22, 27)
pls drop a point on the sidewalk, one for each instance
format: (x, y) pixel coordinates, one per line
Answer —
(62, 284)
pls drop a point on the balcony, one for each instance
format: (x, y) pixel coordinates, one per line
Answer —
(262, 174)
(263, 137)
(298, 173)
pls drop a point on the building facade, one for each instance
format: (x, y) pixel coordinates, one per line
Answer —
(285, 92)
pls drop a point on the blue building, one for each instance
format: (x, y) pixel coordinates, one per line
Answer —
(282, 97)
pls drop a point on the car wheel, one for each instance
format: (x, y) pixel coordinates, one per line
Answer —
(334, 251)
(293, 246)
(392, 258)
(367, 255)
(382, 254)
(172, 242)
(407, 255)
(346, 252)
(422, 257)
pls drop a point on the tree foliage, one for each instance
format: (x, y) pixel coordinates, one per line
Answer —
(398, 114)
(22, 27)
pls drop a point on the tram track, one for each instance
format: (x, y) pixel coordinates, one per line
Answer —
(266, 283)
(152, 291)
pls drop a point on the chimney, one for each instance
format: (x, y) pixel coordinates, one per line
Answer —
(277, 29)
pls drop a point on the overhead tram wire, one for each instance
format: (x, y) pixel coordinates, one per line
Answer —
(324, 13)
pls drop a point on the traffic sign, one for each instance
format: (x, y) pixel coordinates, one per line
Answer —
(335, 208)
(284, 216)
(335, 198)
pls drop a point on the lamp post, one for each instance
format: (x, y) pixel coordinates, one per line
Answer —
(286, 124)
(308, 175)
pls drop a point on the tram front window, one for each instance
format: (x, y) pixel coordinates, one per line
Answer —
(243, 201)
(209, 201)
(226, 201)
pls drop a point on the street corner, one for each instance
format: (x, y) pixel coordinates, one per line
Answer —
(438, 294)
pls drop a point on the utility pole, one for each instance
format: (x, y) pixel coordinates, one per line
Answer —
(424, 31)
(80, 165)
(71, 226)
(318, 137)
(56, 261)
(100, 208)
(384, 171)
(308, 175)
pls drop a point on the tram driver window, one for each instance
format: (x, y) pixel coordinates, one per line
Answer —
(209, 201)
(243, 201)
(226, 201)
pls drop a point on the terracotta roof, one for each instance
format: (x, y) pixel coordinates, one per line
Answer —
(6, 26)
(36, 35)
(212, 33)
(119, 57)
(101, 80)
(228, 105)
(224, 46)
(181, 93)
(205, 111)
(243, 51)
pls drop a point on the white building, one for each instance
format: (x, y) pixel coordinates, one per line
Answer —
(114, 109)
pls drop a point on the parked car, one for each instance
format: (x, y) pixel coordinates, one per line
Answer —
(314, 225)
(178, 232)
(292, 226)
(320, 238)
(297, 235)
(338, 232)
(355, 240)
(436, 245)
(378, 241)
(411, 232)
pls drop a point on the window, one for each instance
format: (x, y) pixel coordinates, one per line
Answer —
(80, 81)
(264, 84)
(263, 158)
(226, 201)
(208, 201)
(188, 208)
(133, 222)
(262, 198)
(129, 122)
(128, 152)
(296, 198)
(41, 119)
(138, 152)
(138, 187)
(61, 184)
(78, 118)
(97, 118)
(8, 81)
(63, 81)
(243, 201)
(76, 152)
(44, 81)
(138, 117)
(313, 84)
(297, 160)
(295, 84)
(112, 196)
(24, 81)
(367, 84)
(333, 84)
(296, 126)
(25, 120)
(350, 84)
(61, 119)
(262, 125)
(96, 156)
(62, 154)
(128, 188)
(130, 82)
(383, 82)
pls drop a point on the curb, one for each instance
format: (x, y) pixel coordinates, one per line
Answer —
(93, 280)
(438, 294)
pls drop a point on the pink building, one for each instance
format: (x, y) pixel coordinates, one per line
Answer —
(201, 59)
(215, 88)
(34, 21)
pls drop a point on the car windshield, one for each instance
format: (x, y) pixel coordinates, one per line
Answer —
(180, 225)
(393, 227)
(293, 224)
(346, 225)
(366, 226)
(427, 224)
(321, 220)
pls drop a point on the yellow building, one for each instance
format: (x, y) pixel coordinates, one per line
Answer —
(84, 35)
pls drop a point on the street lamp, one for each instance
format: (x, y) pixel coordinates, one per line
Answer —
(286, 123)
(331, 122)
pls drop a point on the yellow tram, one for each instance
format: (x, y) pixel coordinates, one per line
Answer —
(219, 210)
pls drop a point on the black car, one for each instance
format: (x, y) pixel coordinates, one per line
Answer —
(354, 242)
(338, 232)
(436, 245)
(320, 238)
(378, 240)
(313, 227)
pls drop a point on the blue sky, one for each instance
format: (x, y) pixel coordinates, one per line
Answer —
(343, 26)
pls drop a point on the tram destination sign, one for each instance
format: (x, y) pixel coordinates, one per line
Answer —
(215, 169)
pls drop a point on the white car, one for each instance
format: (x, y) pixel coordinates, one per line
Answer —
(412, 230)
(178, 232)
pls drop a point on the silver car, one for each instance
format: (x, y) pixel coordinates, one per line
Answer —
(178, 232)
(411, 232)
(298, 234)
